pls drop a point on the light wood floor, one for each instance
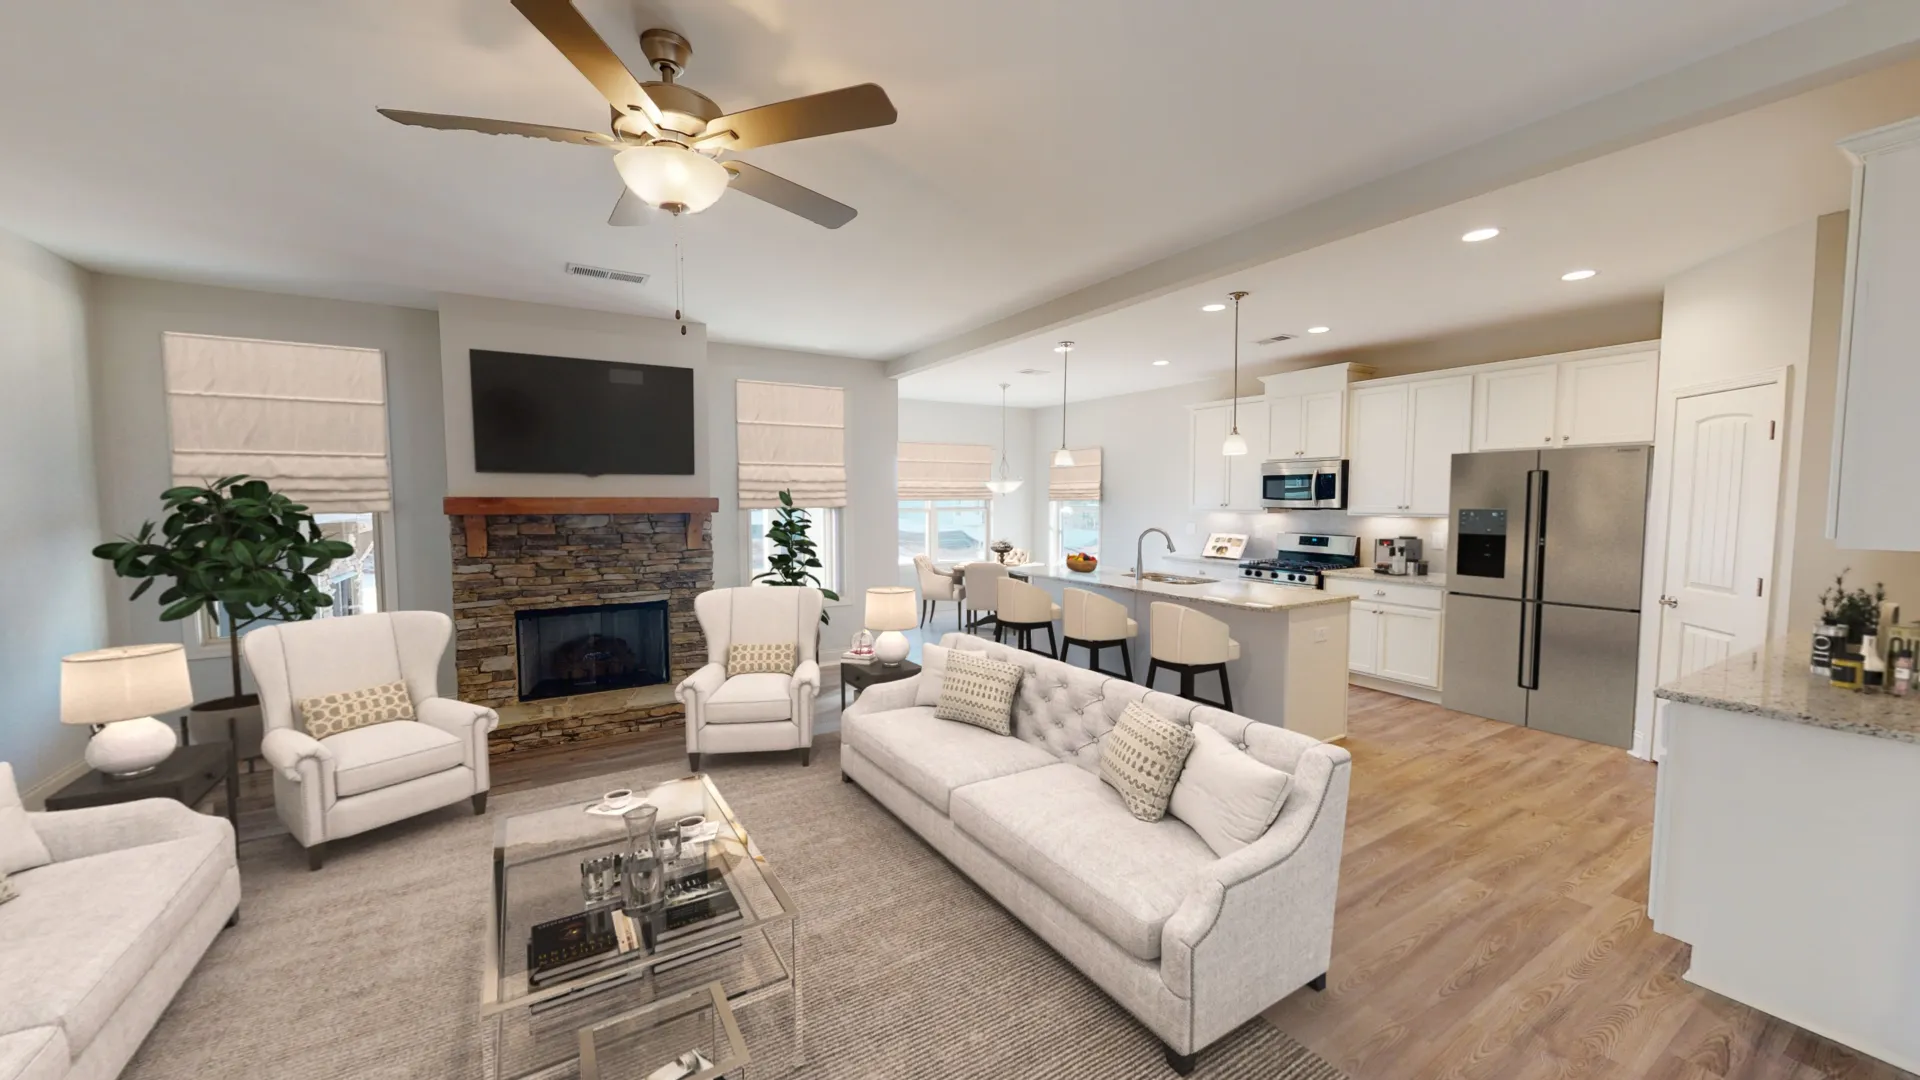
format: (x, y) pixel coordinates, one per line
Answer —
(1492, 920)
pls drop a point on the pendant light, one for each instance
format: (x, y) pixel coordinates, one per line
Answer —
(1063, 457)
(1006, 483)
(1236, 444)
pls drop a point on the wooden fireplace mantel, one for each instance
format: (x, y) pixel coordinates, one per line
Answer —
(475, 509)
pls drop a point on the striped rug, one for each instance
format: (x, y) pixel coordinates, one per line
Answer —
(370, 968)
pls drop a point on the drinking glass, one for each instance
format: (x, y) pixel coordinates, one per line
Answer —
(642, 872)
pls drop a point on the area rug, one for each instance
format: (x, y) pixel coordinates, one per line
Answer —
(370, 968)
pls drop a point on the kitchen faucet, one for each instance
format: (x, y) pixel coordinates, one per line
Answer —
(1140, 549)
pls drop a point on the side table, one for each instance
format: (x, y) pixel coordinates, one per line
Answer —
(189, 776)
(861, 676)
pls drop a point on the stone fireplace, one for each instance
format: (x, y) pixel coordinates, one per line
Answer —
(577, 625)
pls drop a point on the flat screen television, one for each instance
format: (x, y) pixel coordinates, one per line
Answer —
(557, 414)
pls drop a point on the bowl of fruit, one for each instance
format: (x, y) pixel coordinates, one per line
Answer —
(1081, 563)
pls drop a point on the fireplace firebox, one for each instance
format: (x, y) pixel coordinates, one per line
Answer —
(590, 649)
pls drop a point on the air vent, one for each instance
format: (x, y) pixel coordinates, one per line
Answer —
(1033, 371)
(1276, 339)
(630, 277)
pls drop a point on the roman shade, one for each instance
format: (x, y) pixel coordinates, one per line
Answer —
(944, 470)
(792, 437)
(310, 420)
(1078, 481)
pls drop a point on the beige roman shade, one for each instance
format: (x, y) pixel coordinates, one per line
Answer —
(944, 470)
(310, 420)
(793, 437)
(1078, 481)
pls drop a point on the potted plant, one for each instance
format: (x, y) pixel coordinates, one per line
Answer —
(794, 558)
(1857, 610)
(235, 545)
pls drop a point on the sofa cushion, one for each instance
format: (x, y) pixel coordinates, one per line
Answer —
(1227, 796)
(370, 758)
(20, 847)
(1070, 834)
(751, 699)
(90, 929)
(1141, 759)
(932, 757)
(34, 1054)
(978, 691)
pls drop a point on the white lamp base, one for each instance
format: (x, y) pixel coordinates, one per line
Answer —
(890, 648)
(131, 747)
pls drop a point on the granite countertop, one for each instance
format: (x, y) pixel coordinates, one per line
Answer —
(1773, 681)
(1365, 573)
(1229, 591)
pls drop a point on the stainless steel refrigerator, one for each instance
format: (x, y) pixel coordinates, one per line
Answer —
(1543, 593)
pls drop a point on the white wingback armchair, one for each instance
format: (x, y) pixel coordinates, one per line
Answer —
(371, 776)
(763, 710)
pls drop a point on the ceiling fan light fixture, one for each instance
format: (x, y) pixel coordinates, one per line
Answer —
(671, 177)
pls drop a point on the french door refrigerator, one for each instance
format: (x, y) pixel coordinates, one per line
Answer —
(1543, 597)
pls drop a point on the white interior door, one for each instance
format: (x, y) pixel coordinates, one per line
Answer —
(1722, 502)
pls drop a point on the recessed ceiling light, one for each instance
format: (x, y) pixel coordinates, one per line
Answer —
(1478, 235)
(1578, 275)
(1213, 307)
(1161, 363)
(1318, 329)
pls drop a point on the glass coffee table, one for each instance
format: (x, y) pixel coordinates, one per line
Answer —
(532, 1022)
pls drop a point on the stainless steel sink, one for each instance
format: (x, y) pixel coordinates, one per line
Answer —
(1173, 579)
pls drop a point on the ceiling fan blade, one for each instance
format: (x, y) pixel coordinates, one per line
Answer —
(847, 109)
(630, 210)
(500, 127)
(788, 196)
(562, 24)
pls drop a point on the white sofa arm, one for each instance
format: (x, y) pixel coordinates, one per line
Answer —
(886, 697)
(96, 830)
(700, 685)
(285, 749)
(806, 678)
(464, 721)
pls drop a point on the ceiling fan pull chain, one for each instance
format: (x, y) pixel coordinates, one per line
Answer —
(679, 272)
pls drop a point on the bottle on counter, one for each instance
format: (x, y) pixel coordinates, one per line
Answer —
(1873, 668)
(1901, 682)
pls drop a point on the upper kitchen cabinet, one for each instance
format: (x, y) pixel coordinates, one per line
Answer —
(1513, 408)
(1216, 481)
(1401, 441)
(1879, 380)
(1589, 398)
(1307, 411)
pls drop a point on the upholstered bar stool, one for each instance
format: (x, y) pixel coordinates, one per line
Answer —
(980, 581)
(1094, 622)
(1024, 608)
(936, 587)
(1190, 643)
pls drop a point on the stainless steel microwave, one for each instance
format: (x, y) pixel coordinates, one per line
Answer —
(1304, 484)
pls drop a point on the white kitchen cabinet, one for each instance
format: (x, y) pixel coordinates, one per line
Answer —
(1207, 466)
(1607, 399)
(1409, 646)
(1879, 381)
(1286, 431)
(1244, 474)
(1401, 444)
(1377, 461)
(1307, 411)
(1396, 629)
(1323, 423)
(1441, 425)
(1363, 640)
(1513, 408)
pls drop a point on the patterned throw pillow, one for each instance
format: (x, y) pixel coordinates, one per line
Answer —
(331, 714)
(1141, 758)
(755, 659)
(978, 691)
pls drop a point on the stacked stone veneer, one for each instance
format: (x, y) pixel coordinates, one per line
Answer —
(564, 560)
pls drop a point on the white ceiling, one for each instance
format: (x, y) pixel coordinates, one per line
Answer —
(1638, 216)
(1040, 146)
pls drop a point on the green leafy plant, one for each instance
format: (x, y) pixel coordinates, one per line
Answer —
(1858, 609)
(795, 558)
(236, 545)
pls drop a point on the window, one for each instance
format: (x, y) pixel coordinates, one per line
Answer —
(945, 530)
(353, 582)
(1074, 525)
(825, 531)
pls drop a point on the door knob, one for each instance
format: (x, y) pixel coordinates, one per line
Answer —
(1669, 602)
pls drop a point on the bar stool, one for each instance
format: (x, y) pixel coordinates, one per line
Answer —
(1024, 608)
(1094, 622)
(1188, 642)
(979, 582)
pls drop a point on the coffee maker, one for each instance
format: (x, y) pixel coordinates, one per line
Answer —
(1397, 555)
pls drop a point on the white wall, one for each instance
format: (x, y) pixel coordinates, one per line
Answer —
(944, 422)
(129, 316)
(52, 591)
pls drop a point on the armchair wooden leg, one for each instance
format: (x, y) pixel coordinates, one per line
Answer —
(479, 803)
(693, 762)
(233, 920)
(316, 856)
(1183, 1064)
(1318, 982)
(806, 756)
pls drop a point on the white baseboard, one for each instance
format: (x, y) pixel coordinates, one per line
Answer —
(35, 797)
(1388, 686)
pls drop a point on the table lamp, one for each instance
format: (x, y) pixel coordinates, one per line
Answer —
(890, 610)
(117, 691)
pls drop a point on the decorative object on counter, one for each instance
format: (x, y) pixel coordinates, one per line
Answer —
(1000, 549)
(1063, 457)
(1857, 609)
(797, 558)
(1847, 672)
(1225, 545)
(1005, 483)
(1081, 563)
(117, 691)
(1873, 665)
(1829, 641)
(1900, 680)
(1236, 443)
(890, 610)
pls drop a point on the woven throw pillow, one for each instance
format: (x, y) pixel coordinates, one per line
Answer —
(978, 691)
(331, 714)
(755, 659)
(1141, 758)
(20, 847)
(1227, 795)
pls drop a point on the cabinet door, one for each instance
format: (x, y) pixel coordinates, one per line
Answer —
(1285, 435)
(1323, 424)
(1244, 473)
(1409, 646)
(1513, 408)
(1377, 465)
(1363, 640)
(1208, 465)
(1441, 426)
(1608, 399)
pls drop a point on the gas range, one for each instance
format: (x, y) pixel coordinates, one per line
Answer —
(1301, 557)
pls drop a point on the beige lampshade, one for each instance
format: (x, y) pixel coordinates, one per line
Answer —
(123, 683)
(891, 608)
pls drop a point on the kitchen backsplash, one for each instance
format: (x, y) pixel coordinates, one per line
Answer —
(1263, 528)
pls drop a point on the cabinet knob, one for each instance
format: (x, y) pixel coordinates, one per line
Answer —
(1566, 438)
(1547, 439)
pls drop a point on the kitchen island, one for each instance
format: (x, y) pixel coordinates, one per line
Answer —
(1786, 851)
(1292, 669)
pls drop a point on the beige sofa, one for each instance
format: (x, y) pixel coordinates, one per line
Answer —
(1193, 944)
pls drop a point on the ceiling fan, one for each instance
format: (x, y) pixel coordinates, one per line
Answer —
(669, 139)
